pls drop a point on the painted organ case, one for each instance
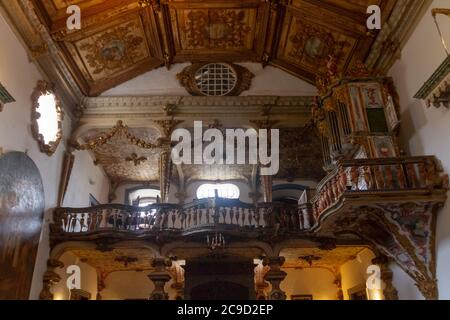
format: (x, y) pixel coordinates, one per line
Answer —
(358, 118)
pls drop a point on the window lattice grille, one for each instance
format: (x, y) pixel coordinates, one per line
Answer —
(215, 79)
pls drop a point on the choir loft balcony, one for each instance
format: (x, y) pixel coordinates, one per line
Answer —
(389, 204)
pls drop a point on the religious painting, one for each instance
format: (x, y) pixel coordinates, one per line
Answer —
(21, 215)
(302, 297)
(383, 147)
(371, 94)
(357, 112)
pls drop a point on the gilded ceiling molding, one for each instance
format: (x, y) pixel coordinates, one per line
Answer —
(22, 17)
(394, 32)
(119, 128)
(102, 105)
(140, 111)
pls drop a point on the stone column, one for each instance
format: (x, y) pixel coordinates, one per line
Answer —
(275, 276)
(160, 276)
(50, 279)
(389, 291)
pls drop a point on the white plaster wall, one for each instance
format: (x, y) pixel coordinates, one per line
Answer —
(405, 286)
(354, 272)
(86, 179)
(310, 281)
(20, 76)
(426, 131)
(267, 81)
(131, 285)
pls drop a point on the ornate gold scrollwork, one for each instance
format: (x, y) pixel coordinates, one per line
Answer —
(119, 128)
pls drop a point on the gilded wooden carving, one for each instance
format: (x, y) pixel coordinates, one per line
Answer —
(42, 90)
(122, 39)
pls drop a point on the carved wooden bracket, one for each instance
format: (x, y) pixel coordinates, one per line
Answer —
(404, 232)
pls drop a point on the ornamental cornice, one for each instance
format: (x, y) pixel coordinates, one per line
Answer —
(155, 104)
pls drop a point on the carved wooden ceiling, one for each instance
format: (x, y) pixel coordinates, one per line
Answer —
(121, 39)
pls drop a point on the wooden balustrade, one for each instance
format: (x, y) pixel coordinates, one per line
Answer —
(377, 175)
(198, 215)
(360, 176)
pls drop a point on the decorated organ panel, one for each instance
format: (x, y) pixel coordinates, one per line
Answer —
(358, 119)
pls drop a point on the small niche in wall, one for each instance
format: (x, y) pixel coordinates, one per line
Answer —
(5, 97)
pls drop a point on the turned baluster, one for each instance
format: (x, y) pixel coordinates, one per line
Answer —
(66, 221)
(379, 177)
(194, 217)
(188, 218)
(174, 217)
(202, 213)
(401, 177)
(231, 216)
(222, 214)
(82, 220)
(422, 174)
(266, 218)
(213, 215)
(73, 221)
(389, 177)
(239, 217)
(256, 216)
(354, 175)
(412, 175)
(367, 177)
(89, 221)
(334, 188)
(342, 184)
(329, 194)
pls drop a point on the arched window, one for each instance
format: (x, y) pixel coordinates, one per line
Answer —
(224, 190)
(143, 197)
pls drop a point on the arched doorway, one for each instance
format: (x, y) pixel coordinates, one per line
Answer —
(220, 290)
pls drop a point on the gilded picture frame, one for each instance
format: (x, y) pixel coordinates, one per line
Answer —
(42, 88)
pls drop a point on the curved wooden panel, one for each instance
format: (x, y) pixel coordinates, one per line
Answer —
(21, 215)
